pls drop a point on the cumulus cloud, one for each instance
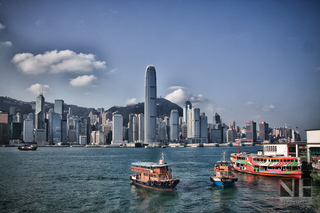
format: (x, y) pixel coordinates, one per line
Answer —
(7, 43)
(57, 62)
(2, 26)
(132, 101)
(39, 88)
(176, 87)
(258, 106)
(249, 103)
(268, 108)
(83, 81)
(179, 96)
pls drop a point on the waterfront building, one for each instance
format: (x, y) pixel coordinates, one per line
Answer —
(56, 131)
(162, 131)
(27, 131)
(216, 118)
(135, 128)
(251, 131)
(231, 135)
(203, 128)
(197, 126)
(150, 105)
(40, 136)
(50, 114)
(187, 105)
(117, 129)
(4, 128)
(184, 130)
(16, 130)
(140, 127)
(174, 125)
(40, 113)
(264, 131)
(82, 140)
(72, 136)
(132, 128)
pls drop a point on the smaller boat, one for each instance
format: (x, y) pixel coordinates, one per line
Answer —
(153, 175)
(223, 174)
(27, 148)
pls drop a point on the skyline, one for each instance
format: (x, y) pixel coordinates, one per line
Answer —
(244, 60)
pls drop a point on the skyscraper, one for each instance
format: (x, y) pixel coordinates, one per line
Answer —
(150, 105)
(117, 129)
(174, 125)
(187, 105)
(251, 131)
(40, 114)
(263, 131)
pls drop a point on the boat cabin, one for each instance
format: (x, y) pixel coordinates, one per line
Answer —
(151, 171)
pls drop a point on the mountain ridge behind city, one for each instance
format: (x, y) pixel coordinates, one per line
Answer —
(164, 108)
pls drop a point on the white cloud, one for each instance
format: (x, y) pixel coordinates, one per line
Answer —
(176, 87)
(268, 108)
(40, 23)
(83, 81)
(2, 26)
(57, 62)
(179, 96)
(39, 88)
(132, 101)
(114, 70)
(7, 43)
(249, 103)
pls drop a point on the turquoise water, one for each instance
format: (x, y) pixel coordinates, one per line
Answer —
(97, 180)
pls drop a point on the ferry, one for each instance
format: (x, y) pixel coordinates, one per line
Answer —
(274, 166)
(153, 175)
(223, 174)
(27, 148)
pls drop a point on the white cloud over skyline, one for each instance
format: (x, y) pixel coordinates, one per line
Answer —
(84, 81)
(2, 26)
(39, 88)
(132, 101)
(179, 96)
(57, 62)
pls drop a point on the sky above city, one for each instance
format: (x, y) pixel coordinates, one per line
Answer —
(245, 60)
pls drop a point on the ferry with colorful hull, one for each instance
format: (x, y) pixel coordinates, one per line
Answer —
(274, 166)
(153, 175)
(223, 174)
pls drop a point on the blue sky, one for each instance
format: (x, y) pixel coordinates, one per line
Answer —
(246, 60)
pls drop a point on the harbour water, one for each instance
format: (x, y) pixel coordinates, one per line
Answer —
(71, 179)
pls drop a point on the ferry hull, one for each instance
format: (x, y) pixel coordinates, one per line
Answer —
(295, 174)
(315, 177)
(226, 183)
(168, 185)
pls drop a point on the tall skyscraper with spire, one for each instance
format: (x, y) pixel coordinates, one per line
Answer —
(150, 105)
